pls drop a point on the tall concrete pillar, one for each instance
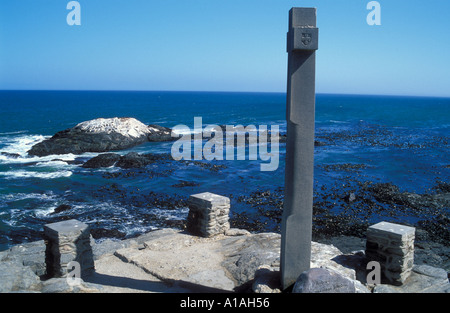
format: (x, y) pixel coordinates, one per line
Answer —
(302, 42)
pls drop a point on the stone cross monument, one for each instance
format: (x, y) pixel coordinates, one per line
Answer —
(296, 228)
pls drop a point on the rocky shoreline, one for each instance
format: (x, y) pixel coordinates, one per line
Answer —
(173, 261)
(342, 212)
(342, 209)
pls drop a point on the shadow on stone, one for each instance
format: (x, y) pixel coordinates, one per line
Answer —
(125, 282)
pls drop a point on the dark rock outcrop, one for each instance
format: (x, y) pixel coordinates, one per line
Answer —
(133, 160)
(98, 233)
(159, 133)
(129, 160)
(101, 135)
(61, 208)
(102, 160)
(10, 155)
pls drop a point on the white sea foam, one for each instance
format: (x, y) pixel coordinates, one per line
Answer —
(185, 131)
(53, 163)
(22, 144)
(178, 214)
(19, 145)
(14, 133)
(43, 212)
(30, 174)
(339, 122)
(22, 196)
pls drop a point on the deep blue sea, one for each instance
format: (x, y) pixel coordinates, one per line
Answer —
(403, 141)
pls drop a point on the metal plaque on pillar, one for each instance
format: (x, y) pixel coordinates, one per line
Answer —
(296, 228)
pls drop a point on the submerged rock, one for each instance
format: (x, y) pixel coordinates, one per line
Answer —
(101, 135)
(129, 160)
(350, 197)
(133, 160)
(184, 183)
(102, 160)
(10, 155)
(61, 208)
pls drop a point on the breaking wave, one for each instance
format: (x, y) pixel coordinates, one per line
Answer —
(30, 174)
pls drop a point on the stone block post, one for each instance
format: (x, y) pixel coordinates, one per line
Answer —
(208, 214)
(392, 245)
(68, 241)
(296, 225)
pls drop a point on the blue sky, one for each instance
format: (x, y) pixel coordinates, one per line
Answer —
(226, 45)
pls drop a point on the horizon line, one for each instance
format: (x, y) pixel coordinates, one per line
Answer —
(229, 91)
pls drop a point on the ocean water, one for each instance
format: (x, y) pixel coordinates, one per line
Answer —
(403, 141)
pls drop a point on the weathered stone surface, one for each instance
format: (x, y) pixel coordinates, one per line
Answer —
(217, 279)
(236, 232)
(325, 256)
(168, 260)
(109, 246)
(101, 135)
(350, 266)
(267, 280)
(161, 258)
(245, 254)
(15, 277)
(60, 285)
(423, 279)
(321, 280)
(438, 273)
(238, 257)
(357, 262)
(30, 254)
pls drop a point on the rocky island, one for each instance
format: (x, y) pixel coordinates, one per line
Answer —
(101, 135)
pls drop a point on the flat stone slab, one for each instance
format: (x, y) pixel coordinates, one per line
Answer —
(392, 229)
(67, 228)
(221, 263)
(117, 276)
(208, 199)
(200, 264)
